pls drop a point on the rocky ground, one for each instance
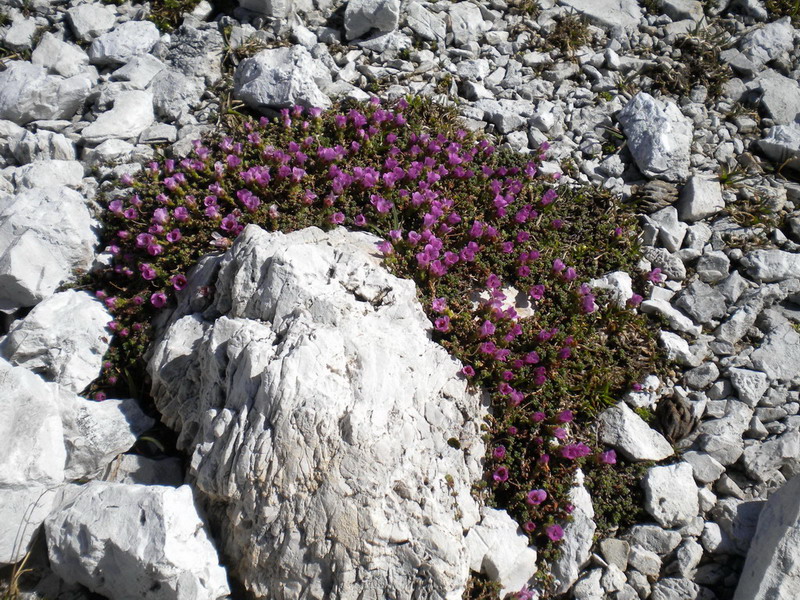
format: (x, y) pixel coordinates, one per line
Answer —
(688, 109)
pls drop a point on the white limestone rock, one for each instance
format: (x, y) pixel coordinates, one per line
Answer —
(45, 234)
(319, 392)
(28, 93)
(174, 94)
(140, 71)
(466, 23)
(619, 283)
(670, 230)
(279, 9)
(780, 97)
(779, 354)
(59, 58)
(782, 144)
(63, 339)
(48, 174)
(90, 20)
(19, 35)
(771, 265)
(722, 437)
(671, 494)
(766, 43)
(750, 385)
(41, 145)
(426, 24)
(578, 538)
(362, 16)
(500, 550)
(131, 115)
(676, 319)
(121, 44)
(624, 430)
(679, 10)
(701, 197)
(609, 13)
(659, 137)
(130, 541)
(281, 78)
(49, 436)
(771, 569)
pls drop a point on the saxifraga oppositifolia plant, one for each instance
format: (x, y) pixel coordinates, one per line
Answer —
(480, 231)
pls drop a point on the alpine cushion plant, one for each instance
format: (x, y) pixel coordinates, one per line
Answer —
(501, 255)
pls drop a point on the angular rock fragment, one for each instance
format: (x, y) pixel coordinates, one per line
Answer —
(623, 429)
(281, 78)
(134, 541)
(63, 339)
(659, 137)
(45, 234)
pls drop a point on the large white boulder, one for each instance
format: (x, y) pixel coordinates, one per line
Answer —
(772, 568)
(49, 437)
(28, 93)
(316, 412)
(45, 234)
(659, 137)
(130, 541)
(281, 78)
(63, 339)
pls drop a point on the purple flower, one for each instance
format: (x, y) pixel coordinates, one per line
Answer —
(565, 416)
(178, 281)
(174, 236)
(360, 220)
(530, 527)
(554, 532)
(656, 276)
(609, 457)
(161, 216)
(500, 474)
(560, 433)
(573, 451)
(558, 265)
(181, 214)
(154, 249)
(442, 324)
(499, 452)
(337, 218)
(158, 299)
(130, 213)
(468, 371)
(587, 304)
(537, 292)
(536, 497)
(487, 329)
(439, 304)
(635, 300)
(570, 274)
(99, 396)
